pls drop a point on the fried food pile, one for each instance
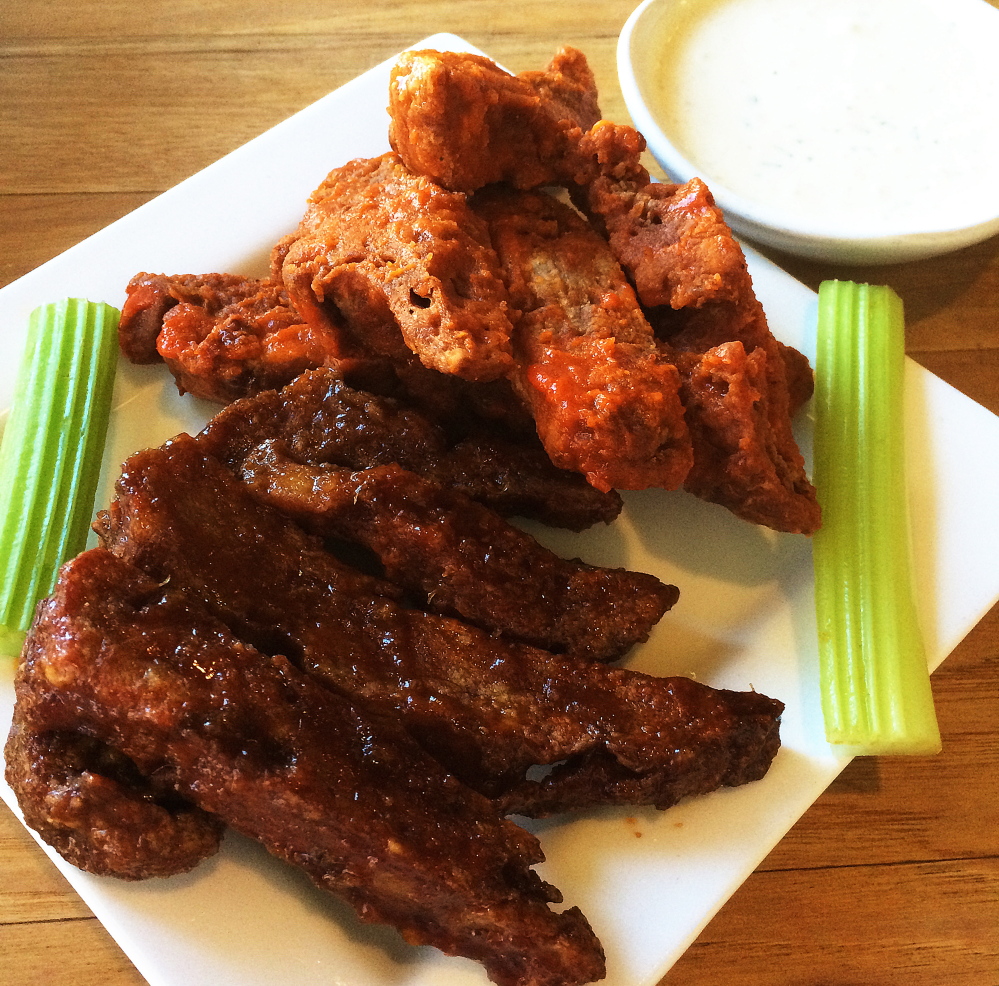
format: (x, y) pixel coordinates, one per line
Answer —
(511, 262)
(217, 662)
(143, 724)
(314, 623)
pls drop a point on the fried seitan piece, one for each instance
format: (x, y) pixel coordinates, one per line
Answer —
(322, 420)
(487, 709)
(739, 399)
(671, 239)
(121, 659)
(605, 401)
(465, 122)
(222, 336)
(739, 396)
(462, 558)
(746, 457)
(90, 802)
(401, 260)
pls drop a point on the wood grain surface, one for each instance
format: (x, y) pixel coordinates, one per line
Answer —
(893, 875)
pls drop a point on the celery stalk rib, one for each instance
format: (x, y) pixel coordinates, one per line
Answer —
(875, 685)
(50, 457)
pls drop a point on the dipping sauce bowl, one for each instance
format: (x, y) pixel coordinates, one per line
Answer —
(853, 131)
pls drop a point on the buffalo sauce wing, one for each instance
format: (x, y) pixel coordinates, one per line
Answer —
(739, 385)
(465, 122)
(605, 401)
(403, 260)
(222, 336)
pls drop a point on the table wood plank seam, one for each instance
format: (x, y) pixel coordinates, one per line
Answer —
(61, 920)
(887, 864)
(208, 44)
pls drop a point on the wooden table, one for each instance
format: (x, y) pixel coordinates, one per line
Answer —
(893, 875)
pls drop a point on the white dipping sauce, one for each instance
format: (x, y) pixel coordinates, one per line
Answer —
(864, 116)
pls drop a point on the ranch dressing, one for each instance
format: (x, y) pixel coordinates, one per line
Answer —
(861, 116)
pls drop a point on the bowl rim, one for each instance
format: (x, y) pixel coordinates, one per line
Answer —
(747, 215)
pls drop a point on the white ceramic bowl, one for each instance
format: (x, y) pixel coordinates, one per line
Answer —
(641, 48)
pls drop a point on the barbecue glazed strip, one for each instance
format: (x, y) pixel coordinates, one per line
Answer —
(90, 802)
(462, 557)
(322, 420)
(604, 398)
(487, 709)
(353, 802)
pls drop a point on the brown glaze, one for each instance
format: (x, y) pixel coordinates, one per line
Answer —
(487, 709)
(463, 558)
(351, 800)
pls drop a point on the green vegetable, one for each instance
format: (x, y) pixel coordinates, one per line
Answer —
(875, 684)
(50, 456)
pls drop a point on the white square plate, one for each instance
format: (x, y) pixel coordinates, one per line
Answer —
(648, 881)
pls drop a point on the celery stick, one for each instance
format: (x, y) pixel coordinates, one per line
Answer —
(875, 684)
(11, 642)
(50, 456)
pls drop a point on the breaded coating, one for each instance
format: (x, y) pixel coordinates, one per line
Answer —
(605, 401)
(692, 278)
(738, 399)
(800, 378)
(92, 804)
(462, 558)
(487, 709)
(567, 87)
(350, 800)
(322, 420)
(745, 459)
(222, 336)
(399, 259)
(672, 240)
(465, 122)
